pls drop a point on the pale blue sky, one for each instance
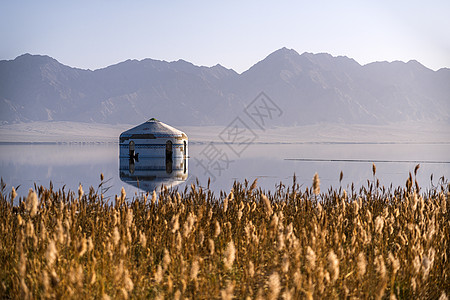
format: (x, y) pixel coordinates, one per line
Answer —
(236, 34)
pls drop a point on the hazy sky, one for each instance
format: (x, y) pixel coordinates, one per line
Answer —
(236, 34)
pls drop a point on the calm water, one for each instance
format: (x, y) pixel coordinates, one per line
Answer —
(71, 165)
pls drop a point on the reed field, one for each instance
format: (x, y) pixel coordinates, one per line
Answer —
(369, 242)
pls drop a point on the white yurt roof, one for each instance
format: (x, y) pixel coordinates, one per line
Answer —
(156, 128)
(154, 184)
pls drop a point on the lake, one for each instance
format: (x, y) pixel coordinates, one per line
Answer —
(72, 164)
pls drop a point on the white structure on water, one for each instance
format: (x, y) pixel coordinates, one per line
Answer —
(153, 154)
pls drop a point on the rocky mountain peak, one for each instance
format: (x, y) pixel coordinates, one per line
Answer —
(308, 88)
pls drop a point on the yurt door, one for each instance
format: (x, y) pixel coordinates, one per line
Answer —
(185, 157)
(169, 154)
(132, 153)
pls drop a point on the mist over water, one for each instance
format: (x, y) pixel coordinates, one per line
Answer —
(70, 165)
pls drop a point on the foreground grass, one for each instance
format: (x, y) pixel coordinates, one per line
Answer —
(290, 244)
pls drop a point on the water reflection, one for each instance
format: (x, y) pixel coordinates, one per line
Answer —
(151, 173)
(70, 165)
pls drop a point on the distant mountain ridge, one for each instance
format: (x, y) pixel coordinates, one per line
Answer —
(309, 88)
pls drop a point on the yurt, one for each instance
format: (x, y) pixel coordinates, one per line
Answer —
(153, 154)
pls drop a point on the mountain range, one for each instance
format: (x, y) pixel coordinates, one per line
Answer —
(308, 88)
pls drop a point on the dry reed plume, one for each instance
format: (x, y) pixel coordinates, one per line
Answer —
(249, 244)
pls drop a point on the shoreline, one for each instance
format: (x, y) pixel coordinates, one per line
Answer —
(93, 133)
